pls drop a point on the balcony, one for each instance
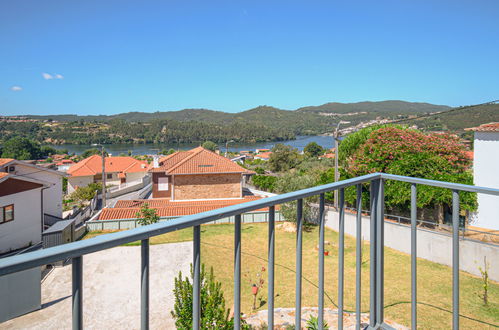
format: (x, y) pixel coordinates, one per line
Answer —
(75, 251)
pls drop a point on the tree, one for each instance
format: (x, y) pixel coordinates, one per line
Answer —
(409, 152)
(93, 151)
(214, 315)
(283, 158)
(21, 149)
(147, 216)
(313, 150)
(209, 145)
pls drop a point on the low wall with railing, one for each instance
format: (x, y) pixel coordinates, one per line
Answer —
(432, 245)
(123, 224)
(128, 187)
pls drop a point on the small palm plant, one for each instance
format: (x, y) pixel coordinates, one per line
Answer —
(313, 324)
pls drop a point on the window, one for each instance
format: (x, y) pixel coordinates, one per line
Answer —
(6, 213)
(162, 183)
(110, 176)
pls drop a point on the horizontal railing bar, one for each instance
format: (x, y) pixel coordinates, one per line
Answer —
(442, 184)
(98, 243)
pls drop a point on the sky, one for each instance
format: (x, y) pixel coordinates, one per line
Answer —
(106, 57)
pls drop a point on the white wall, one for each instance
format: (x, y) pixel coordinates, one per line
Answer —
(431, 245)
(79, 181)
(130, 177)
(26, 228)
(486, 174)
(52, 196)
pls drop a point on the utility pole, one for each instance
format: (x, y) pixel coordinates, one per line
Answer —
(336, 174)
(227, 147)
(103, 178)
(103, 156)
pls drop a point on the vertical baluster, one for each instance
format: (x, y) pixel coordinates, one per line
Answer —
(358, 255)
(270, 294)
(237, 272)
(299, 227)
(455, 259)
(372, 238)
(77, 270)
(341, 257)
(144, 286)
(380, 263)
(196, 264)
(322, 221)
(414, 280)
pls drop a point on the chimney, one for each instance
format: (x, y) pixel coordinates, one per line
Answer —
(217, 151)
(155, 161)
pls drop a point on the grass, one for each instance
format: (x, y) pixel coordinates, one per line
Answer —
(434, 280)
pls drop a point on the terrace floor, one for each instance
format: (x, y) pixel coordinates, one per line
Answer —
(111, 290)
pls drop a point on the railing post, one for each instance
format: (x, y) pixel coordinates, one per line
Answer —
(144, 287)
(237, 272)
(358, 255)
(372, 238)
(455, 260)
(414, 280)
(380, 262)
(77, 270)
(299, 227)
(322, 221)
(270, 294)
(196, 285)
(341, 257)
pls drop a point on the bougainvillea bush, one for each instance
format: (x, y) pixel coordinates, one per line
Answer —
(409, 152)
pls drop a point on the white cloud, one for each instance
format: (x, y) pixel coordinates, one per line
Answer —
(58, 76)
(47, 76)
(16, 88)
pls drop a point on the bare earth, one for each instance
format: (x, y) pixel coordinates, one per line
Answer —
(111, 293)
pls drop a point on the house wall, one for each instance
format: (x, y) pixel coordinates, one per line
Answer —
(130, 177)
(486, 160)
(26, 228)
(52, 196)
(164, 193)
(79, 181)
(207, 186)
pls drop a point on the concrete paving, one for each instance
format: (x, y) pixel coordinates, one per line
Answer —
(111, 293)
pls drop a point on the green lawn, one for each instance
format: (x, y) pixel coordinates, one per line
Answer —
(434, 280)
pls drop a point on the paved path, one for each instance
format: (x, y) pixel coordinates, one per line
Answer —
(111, 293)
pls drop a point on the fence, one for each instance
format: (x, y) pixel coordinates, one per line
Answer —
(128, 187)
(76, 251)
(123, 224)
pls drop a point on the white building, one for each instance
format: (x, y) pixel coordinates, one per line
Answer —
(118, 170)
(486, 174)
(52, 194)
(21, 211)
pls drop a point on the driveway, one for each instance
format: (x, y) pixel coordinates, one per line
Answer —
(111, 290)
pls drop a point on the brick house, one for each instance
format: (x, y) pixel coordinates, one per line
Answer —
(118, 170)
(197, 174)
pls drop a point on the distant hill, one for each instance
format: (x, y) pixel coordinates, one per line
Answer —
(398, 107)
(457, 119)
(303, 121)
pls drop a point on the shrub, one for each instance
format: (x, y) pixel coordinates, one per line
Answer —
(147, 216)
(313, 324)
(264, 182)
(214, 315)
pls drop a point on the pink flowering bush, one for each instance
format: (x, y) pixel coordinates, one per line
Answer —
(409, 152)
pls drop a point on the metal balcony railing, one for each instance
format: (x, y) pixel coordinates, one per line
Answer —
(76, 250)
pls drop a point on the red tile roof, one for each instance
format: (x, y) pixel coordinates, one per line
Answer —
(3, 174)
(198, 161)
(490, 127)
(166, 208)
(93, 165)
(4, 161)
(264, 155)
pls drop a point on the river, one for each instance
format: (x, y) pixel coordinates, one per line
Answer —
(141, 149)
